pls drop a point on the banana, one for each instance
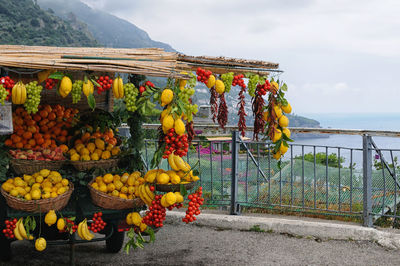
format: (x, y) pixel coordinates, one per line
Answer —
(144, 196)
(16, 231)
(180, 163)
(149, 193)
(80, 230)
(86, 233)
(121, 87)
(23, 93)
(115, 88)
(172, 162)
(21, 229)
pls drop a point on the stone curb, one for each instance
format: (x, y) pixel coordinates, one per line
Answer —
(319, 230)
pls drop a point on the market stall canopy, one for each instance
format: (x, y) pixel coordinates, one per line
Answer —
(144, 61)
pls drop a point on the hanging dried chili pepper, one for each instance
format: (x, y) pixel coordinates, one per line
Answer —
(258, 108)
(190, 132)
(213, 103)
(242, 112)
(222, 111)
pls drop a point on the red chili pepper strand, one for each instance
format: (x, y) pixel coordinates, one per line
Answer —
(190, 132)
(213, 103)
(222, 111)
(242, 112)
(258, 106)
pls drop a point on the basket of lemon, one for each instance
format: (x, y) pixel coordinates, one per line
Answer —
(116, 192)
(40, 192)
(95, 153)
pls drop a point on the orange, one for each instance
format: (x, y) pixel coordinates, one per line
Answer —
(30, 122)
(37, 118)
(62, 139)
(39, 141)
(78, 141)
(32, 142)
(47, 108)
(19, 110)
(24, 141)
(8, 142)
(44, 129)
(20, 132)
(64, 133)
(51, 124)
(27, 135)
(47, 136)
(19, 145)
(43, 113)
(51, 116)
(57, 131)
(16, 138)
(63, 147)
(37, 136)
(32, 129)
(85, 136)
(44, 122)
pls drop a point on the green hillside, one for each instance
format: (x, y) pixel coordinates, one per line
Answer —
(24, 22)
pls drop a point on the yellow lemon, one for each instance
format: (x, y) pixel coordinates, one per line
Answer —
(44, 172)
(277, 135)
(136, 218)
(278, 111)
(163, 178)
(283, 121)
(211, 81)
(115, 193)
(265, 116)
(95, 186)
(179, 197)
(219, 86)
(170, 198)
(286, 131)
(7, 186)
(110, 187)
(28, 196)
(50, 218)
(54, 194)
(143, 227)
(124, 190)
(99, 144)
(287, 108)
(91, 147)
(79, 146)
(166, 97)
(124, 178)
(105, 155)
(115, 151)
(179, 127)
(14, 192)
(61, 224)
(118, 185)
(40, 244)
(36, 194)
(103, 188)
(75, 157)
(128, 219)
(123, 196)
(175, 179)
(168, 122)
(283, 149)
(277, 155)
(94, 157)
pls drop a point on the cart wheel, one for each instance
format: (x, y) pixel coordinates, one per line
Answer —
(5, 249)
(115, 242)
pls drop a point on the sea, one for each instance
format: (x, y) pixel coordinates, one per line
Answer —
(369, 121)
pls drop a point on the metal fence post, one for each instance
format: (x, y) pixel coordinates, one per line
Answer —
(235, 209)
(367, 181)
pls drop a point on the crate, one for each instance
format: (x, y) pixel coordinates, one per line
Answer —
(6, 125)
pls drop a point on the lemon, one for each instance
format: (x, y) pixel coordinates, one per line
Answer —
(94, 157)
(64, 182)
(265, 116)
(61, 224)
(84, 151)
(166, 97)
(124, 190)
(11, 181)
(123, 196)
(128, 219)
(54, 194)
(109, 147)
(118, 185)
(79, 146)
(211, 81)
(179, 127)
(36, 194)
(275, 85)
(61, 190)
(115, 151)
(99, 179)
(47, 189)
(27, 178)
(163, 178)
(131, 190)
(28, 196)
(277, 135)
(286, 131)
(136, 218)
(168, 122)
(44, 172)
(175, 179)
(14, 192)
(105, 155)
(170, 198)
(278, 111)
(110, 187)
(124, 178)
(277, 155)
(91, 147)
(36, 186)
(99, 144)
(28, 189)
(21, 191)
(95, 186)
(283, 149)
(287, 108)
(131, 180)
(72, 151)
(143, 227)
(116, 178)
(40, 244)
(179, 197)
(103, 188)
(164, 202)
(115, 193)
(283, 121)
(46, 195)
(7, 186)
(219, 87)
(20, 183)
(50, 218)
(75, 157)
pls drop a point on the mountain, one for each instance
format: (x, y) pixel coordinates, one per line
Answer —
(108, 29)
(24, 22)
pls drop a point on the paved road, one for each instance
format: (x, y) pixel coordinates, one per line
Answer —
(193, 245)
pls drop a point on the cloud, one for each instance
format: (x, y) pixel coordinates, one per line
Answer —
(337, 55)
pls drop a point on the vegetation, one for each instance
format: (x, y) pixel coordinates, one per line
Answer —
(23, 22)
(320, 158)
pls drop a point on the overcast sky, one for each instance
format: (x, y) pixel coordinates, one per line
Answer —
(338, 56)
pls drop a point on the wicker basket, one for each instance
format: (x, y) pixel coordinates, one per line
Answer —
(22, 166)
(110, 202)
(87, 165)
(174, 187)
(42, 205)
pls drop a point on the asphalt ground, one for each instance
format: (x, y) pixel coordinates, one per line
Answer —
(179, 244)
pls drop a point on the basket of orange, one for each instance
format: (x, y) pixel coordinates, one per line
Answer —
(96, 149)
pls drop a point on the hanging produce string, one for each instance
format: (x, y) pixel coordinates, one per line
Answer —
(22, 71)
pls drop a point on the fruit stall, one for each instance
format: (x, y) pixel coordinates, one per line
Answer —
(69, 177)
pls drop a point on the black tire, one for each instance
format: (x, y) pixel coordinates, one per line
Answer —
(5, 249)
(115, 242)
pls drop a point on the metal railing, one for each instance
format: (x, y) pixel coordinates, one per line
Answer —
(312, 178)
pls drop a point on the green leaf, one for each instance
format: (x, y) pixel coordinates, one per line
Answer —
(182, 190)
(91, 101)
(196, 172)
(284, 87)
(85, 79)
(95, 83)
(279, 164)
(56, 75)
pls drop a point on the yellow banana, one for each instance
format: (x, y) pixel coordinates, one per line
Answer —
(180, 163)
(144, 196)
(16, 231)
(149, 193)
(115, 88)
(80, 230)
(23, 93)
(86, 233)
(121, 87)
(172, 162)
(21, 229)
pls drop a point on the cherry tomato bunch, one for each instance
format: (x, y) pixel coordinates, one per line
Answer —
(98, 224)
(8, 84)
(155, 216)
(263, 88)
(175, 144)
(238, 80)
(51, 83)
(10, 226)
(70, 224)
(105, 83)
(145, 85)
(203, 75)
(176, 205)
(195, 201)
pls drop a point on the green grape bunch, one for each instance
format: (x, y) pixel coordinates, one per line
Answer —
(131, 92)
(3, 94)
(252, 84)
(190, 110)
(32, 102)
(227, 79)
(76, 91)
